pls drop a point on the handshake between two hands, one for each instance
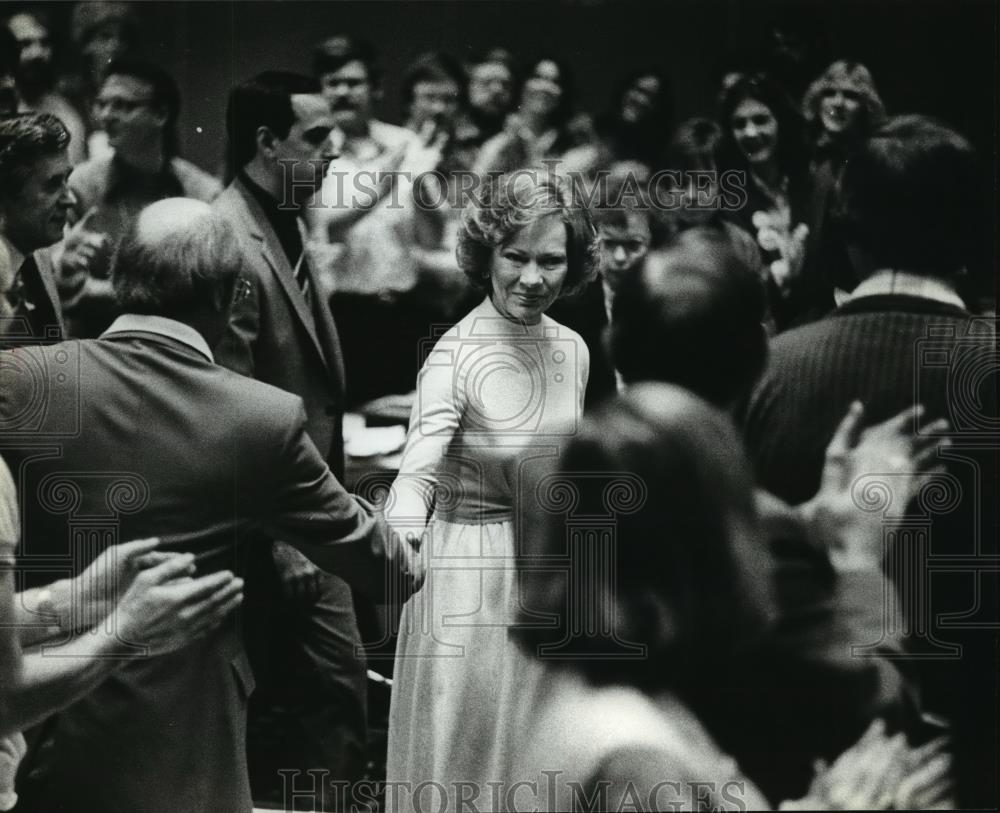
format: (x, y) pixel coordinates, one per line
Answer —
(302, 581)
(407, 554)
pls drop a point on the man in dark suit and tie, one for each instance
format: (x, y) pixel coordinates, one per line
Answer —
(34, 202)
(279, 128)
(140, 432)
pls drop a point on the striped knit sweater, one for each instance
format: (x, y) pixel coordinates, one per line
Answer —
(892, 352)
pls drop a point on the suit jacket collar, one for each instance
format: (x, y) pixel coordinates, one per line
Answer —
(888, 282)
(48, 310)
(259, 227)
(47, 271)
(13, 254)
(160, 326)
(900, 303)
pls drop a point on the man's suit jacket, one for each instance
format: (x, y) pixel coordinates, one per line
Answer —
(275, 337)
(136, 435)
(44, 321)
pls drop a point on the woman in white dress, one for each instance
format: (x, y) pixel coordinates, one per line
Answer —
(500, 392)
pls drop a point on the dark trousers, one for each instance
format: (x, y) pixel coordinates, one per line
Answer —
(310, 708)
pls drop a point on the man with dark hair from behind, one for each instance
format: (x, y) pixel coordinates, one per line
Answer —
(283, 333)
(693, 316)
(34, 202)
(907, 211)
(175, 444)
(138, 106)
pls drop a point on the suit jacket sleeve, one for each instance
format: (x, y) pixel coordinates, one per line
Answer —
(310, 509)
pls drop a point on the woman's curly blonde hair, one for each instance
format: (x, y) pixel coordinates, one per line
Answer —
(846, 75)
(506, 204)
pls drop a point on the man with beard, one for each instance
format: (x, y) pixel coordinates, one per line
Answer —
(492, 86)
(36, 78)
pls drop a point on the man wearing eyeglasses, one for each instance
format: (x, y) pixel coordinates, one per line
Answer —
(137, 106)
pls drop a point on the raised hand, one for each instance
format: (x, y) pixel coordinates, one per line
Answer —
(424, 155)
(165, 609)
(894, 448)
(83, 248)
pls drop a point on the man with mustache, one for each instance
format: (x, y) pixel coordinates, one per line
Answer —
(365, 211)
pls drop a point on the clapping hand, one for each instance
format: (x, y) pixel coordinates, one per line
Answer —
(96, 590)
(12, 751)
(881, 773)
(894, 449)
(83, 248)
(424, 155)
(165, 608)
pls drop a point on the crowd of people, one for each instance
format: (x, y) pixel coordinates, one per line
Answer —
(697, 505)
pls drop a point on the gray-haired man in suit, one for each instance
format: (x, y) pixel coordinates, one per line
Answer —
(153, 437)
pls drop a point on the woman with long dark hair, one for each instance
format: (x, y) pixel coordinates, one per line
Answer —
(763, 139)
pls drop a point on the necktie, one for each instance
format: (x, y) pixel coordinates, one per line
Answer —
(302, 277)
(33, 319)
(302, 266)
(29, 300)
(19, 293)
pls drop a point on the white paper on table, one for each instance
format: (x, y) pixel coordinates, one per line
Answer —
(375, 440)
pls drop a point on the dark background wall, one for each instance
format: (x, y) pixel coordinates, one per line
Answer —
(935, 57)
